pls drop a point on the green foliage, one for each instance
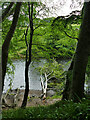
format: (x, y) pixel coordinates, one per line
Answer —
(52, 67)
(10, 72)
(56, 75)
(49, 40)
(87, 79)
(88, 67)
(62, 110)
(56, 97)
(47, 43)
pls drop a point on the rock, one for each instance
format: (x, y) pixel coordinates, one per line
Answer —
(50, 93)
(33, 95)
(22, 86)
(3, 106)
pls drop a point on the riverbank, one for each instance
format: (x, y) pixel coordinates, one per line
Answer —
(34, 98)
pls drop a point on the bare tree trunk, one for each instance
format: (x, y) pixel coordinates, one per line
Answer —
(6, 43)
(28, 60)
(81, 57)
(44, 81)
(44, 86)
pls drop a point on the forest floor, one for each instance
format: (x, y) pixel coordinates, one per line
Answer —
(34, 99)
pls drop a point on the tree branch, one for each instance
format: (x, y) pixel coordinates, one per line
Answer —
(37, 13)
(37, 27)
(70, 36)
(25, 33)
(75, 13)
(49, 74)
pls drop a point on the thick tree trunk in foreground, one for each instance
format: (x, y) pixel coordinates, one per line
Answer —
(28, 58)
(6, 43)
(67, 89)
(0, 87)
(68, 86)
(81, 57)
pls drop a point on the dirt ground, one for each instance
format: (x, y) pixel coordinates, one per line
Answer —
(34, 99)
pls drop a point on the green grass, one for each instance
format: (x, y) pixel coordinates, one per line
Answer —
(63, 110)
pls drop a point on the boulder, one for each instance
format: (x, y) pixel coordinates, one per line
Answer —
(51, 93)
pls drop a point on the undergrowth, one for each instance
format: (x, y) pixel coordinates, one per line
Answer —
(62, 110)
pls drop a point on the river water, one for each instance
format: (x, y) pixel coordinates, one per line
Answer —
(34, 75)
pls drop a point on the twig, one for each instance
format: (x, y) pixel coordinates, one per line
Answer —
(37, 27)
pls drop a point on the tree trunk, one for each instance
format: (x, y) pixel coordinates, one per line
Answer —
(6, 43)
(26, 86)
(44, 86)
(0, 86)
(67, 89)
(28, 60)
(68, 86)
(81, 57)
(7, 10)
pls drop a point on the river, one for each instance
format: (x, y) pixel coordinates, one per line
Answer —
(34, 75)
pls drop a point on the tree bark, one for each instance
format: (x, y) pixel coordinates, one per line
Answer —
(28, 60)
(44, 86)
(81, 57)
(66, 92)
(0, 86)
(26, 86)
(7, 10)
(68, 86)
(6, 43)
